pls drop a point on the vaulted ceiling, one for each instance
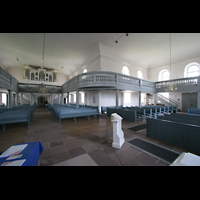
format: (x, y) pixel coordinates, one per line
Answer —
(72, 50)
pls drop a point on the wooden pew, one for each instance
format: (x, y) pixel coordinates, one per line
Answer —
(195, 111)
(180, 119)
(177, 133)
(104, 108)
(78, 113)
(17, 115)
(141, 111)
(126, 114)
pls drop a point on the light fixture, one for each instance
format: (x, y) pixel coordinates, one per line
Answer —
(43, 89)
(170, 87)
(116, 41)
(43, 49)
(42, 70)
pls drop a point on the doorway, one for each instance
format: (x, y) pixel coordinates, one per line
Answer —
(189, 100)
(41, 101)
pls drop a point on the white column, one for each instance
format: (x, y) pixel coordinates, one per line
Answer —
(198, 99)
(77, 99)
(62, 98)
(10, 98)
(155, 99)
(31, 100)
(59, 98)
(17, 99)
(117, 98)
(68, 98)
(140, 99)
(51, 98)
(21, 98)
(99, 101)
(0, 98)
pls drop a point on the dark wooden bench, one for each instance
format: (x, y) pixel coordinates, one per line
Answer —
(104, 108)
(182, 118)
(126, 114)
(141, 112)
(195, 111)
(177, 133)
(78, 113)
(17, 115)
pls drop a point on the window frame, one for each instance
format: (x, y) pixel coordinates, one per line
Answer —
(187, 67)
(125, 70)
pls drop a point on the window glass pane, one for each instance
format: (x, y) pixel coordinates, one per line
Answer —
(125, 70)
(165, 76)
(193, 68)
(193, 71)
(139, 74)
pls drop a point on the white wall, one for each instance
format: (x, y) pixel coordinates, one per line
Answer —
(111, 61)
(177, 69)
(116, 65)
(134, 101)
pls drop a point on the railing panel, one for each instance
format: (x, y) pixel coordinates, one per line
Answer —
(128, 80)
(101, 77)
(7, 81)
(106, 78)
(178, 82)
(148, 84)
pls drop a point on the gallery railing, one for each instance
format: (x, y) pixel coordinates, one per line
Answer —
(182, 84)
(36, 88)
(105, 79)
(7, 81)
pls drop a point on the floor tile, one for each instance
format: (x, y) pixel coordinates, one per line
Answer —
(46, 161)
(76, 152)
(56, 143)
(89, 147)
(106, 161)
(145, 159)
(131, 162)
(82, 160)
(96, 154)
(85, 145)
(59, 157)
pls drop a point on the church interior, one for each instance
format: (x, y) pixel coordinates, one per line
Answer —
(62, 90)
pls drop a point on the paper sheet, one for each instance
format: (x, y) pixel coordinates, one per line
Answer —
(14, 150)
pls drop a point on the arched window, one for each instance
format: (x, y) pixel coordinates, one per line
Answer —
(125, 70)
(192, 70)
(163, 75)
(139, 74)
(85, 71)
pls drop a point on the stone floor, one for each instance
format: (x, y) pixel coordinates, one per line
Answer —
(84, 142)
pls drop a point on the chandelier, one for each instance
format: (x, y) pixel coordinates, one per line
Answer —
(43, 89)
(171, 87)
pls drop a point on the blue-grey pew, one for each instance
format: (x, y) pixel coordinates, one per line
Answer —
(177, 133)
(77, 113)
(129, 115)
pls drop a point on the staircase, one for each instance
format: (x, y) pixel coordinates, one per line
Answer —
(167, 101)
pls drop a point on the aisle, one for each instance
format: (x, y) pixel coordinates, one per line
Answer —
(50, 133)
